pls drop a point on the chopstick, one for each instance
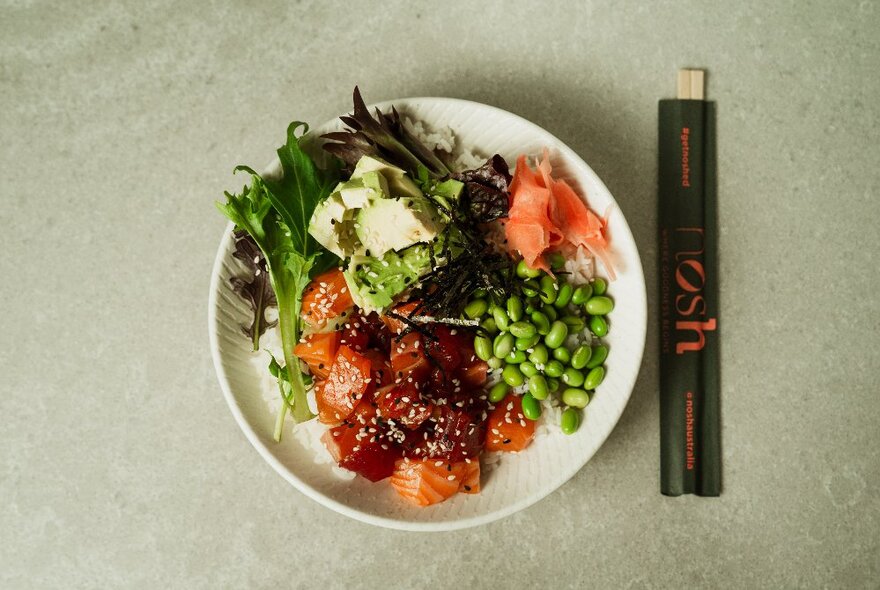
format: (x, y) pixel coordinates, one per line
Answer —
(689, 373)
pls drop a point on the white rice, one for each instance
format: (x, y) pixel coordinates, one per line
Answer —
(444, 140)
(579, 264)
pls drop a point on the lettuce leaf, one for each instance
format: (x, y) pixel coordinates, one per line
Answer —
(254, 286)
(275, 212)
(385, 136)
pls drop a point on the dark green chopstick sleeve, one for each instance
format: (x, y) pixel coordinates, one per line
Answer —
(688, 280)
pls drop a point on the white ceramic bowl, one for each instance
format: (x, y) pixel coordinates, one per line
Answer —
(519, 480)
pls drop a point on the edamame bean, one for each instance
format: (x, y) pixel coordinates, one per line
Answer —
(483, 347)
(489, 325)
(523, 270)
(599, 286)
(528, 368)
(501, 319)
(539, 355)
(598, 326)
(512, 376)
(503, 344)
(538, 387)
(526, 343)
(550, 312)
(515, 357)
(574, 323)
(572, 377)
(479, 293)
(582, 294)
(557, 261)
(600, 353)
(562, 355)
(539, 319)
(530, 288)
(523, 329)
(557, 335)
(563, 296)
(554, 369)
(599, 305)
(552, 384)
(594, 378)
(476, 308)
(570, 422)
(515, 308)
(498, 392)
(530, 309)
(576, 398)
(495, 363)
(581, 356)
(549, 289)
(531, 407)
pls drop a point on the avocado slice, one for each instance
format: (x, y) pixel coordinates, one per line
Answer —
(357, 192)
(375, 282)
(394, 224)
(447, 193)
(399, 183)
(332, 227)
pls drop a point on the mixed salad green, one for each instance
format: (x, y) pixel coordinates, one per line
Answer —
(275, 213)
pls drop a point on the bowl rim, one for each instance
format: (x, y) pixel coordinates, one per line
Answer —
(393, 523)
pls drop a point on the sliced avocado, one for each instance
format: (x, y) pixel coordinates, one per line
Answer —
(357, 192)
(447, 193)
(394, 224)
(450, 189)
(374, 282)
(399, 183)
(327, 226)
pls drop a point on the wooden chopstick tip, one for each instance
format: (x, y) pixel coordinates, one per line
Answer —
(691, 84)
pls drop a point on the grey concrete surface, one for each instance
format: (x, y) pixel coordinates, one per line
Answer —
(120, 122)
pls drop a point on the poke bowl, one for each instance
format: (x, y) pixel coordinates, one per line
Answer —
(564, 428)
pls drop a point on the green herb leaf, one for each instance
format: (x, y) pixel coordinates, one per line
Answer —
(276, 214)
(299, 190)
